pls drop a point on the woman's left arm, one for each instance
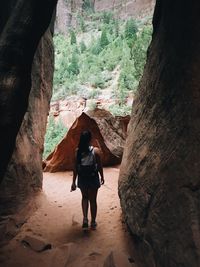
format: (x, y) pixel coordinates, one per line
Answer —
(73, 186)
(99, 164)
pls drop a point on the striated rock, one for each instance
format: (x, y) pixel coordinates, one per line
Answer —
(67, 10)
(125, 9)
(63, 157)
(36, 243)
(67, 15)
(24, 172)
(159, 183)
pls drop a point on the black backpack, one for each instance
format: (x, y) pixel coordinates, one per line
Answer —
(89, 170)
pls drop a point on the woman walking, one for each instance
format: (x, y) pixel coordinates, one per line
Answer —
(88, 167)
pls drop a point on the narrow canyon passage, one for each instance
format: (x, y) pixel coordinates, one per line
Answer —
(58, 221)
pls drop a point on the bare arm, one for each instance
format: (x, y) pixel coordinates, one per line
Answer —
(73, 186)
(99, 164)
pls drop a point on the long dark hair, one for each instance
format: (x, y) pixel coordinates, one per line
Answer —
(84, 144)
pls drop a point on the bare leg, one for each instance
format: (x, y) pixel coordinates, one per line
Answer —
(93, 204)
(85, 203)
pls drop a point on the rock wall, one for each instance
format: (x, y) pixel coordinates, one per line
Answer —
(67, 16)
(24, 173)
(63, 156)
(125, 8)
(159, 183)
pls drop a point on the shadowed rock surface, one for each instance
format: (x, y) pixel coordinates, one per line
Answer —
(63, 157)
(159, 179)
(24, 172)
(21, 29)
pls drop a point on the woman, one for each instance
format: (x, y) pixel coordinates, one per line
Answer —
(88, 167)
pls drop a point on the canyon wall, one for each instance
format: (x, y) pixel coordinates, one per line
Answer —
(67, 10)
(24, 173)
(159, 183)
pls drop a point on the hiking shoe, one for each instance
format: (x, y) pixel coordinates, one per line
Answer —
(93, 225)
(85, 224)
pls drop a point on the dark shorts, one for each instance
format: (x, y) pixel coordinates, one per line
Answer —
(85, 182)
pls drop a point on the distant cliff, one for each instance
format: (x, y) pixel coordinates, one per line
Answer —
(67, 10)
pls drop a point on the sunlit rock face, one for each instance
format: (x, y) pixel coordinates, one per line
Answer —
(159, 183)
(109, 139)
(67, 10)
(24, 172)
(125, 8)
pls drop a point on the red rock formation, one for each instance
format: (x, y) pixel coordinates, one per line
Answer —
(24, 172)
(159, 183)
(62, 158)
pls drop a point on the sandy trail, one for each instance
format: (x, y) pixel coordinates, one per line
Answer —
(58, 220)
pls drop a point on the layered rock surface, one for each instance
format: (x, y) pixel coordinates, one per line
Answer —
(67, 10)
(159, 178)
(109, 139)
(24, 172)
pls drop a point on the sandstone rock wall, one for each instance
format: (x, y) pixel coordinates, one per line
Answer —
(125, 8)
(159, 182)
(66, 10)
(24, 172)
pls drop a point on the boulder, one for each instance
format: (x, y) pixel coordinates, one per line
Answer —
(63, 157)
(36, 243)
(112, 128)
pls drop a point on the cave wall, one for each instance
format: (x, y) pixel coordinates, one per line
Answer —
(24, 173)
(21, 30)
(159, 184)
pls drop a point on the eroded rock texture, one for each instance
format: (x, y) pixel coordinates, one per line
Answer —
(125, 8)
(159, 182)
(21, 29)
(63, 157)
(24, 172)
(67, 10)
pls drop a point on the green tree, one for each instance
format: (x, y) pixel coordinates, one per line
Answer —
(54, 134)
(82, 23)
(83, 47)
(88, 5)
(107, 17)
(73, 67)
(130, 29)
(72, 37)
(104, 39)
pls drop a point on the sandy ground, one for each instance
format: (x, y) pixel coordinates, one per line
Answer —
(58, 221)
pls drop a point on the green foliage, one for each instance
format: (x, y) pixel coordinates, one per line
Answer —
(54, 134)
(90, 63)
(107, 17)
(73, 67)
(130, 29)
(120, 110)
(88, 6)
(83, 47)
(104, 39)
(73, 37)
(140, 50)
(81, 22)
